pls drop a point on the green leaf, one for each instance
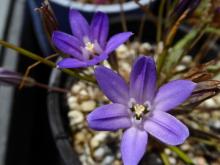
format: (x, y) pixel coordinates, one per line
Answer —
(181, 154)
(213, 30)
(165, 158)
(176, 53)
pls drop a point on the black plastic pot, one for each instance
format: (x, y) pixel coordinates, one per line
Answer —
(57, 113)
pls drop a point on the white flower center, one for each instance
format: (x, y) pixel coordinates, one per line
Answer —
(139, 110)
(89, 46)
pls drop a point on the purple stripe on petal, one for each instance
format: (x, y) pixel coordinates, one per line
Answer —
(79, 25)
(109, 117)
(116, 40)
(166, 128)
(113, 85)
(71, 63)
(68, 44)
(143, 79)
(100, 28)
(173, 94)
(133, 145)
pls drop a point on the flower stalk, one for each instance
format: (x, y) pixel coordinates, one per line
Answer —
(44, 61)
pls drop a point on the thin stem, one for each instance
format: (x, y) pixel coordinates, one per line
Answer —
(165, 158)
(51, 89)
(44, 61)
(31, 67)
(147, 12)
(141, 29)
(160, 21)
(122, 15)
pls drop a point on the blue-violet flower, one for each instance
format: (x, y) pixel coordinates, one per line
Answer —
(140, 108)
(88, 45)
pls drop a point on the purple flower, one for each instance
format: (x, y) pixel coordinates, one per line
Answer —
(140, 108)
(88, 45)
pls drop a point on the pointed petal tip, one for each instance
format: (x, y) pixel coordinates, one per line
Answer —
(166, 128)
(173, 94)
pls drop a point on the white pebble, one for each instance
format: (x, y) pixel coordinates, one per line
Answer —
(88, 106)
(187, 59)
(167, 151)
(172, 160)
(76, 117)
(210, 103)
(108, 160)
(180, 68)
(99, 153)
(97, 139)
(76, 88)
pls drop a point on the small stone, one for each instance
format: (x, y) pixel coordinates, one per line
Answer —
(99, 154)
(210, 103)
(74, 106)
(76, 88)
(185, 147)
(187, 59)
(97, 139)
(200, 161)
(76, 117)
(180, 68)
(88, 106)
(145, 48)
(172, 160)
(72, 100)
(167, 151)
(117, 162)
(79, 140)
(108, 160)
(121, 51)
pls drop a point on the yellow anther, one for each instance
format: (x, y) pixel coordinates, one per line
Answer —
(139, 110)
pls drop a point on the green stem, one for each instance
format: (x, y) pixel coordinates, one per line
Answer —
(44, 61)
(160, 22)
(165, 158)
(181, 154)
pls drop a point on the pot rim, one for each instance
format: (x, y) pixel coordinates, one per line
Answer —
(113, 8)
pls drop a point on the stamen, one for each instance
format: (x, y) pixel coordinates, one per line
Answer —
(139, 110)
(89, 46)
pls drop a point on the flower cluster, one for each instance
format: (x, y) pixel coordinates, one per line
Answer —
(142, 81)
(139, 108)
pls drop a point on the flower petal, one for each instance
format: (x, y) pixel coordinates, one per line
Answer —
(97, 59)
(116, 40)
(173, 94)
(133, 145)
(143, 79)
(113, 85)
(68, 44)
(100, 28)
(79, 25)
(109, 117)
(71, 63)
(166, 128)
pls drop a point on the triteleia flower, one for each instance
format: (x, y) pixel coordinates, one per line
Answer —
(140, 108)
(88, 45)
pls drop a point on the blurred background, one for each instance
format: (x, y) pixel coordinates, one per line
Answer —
(25, 137)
